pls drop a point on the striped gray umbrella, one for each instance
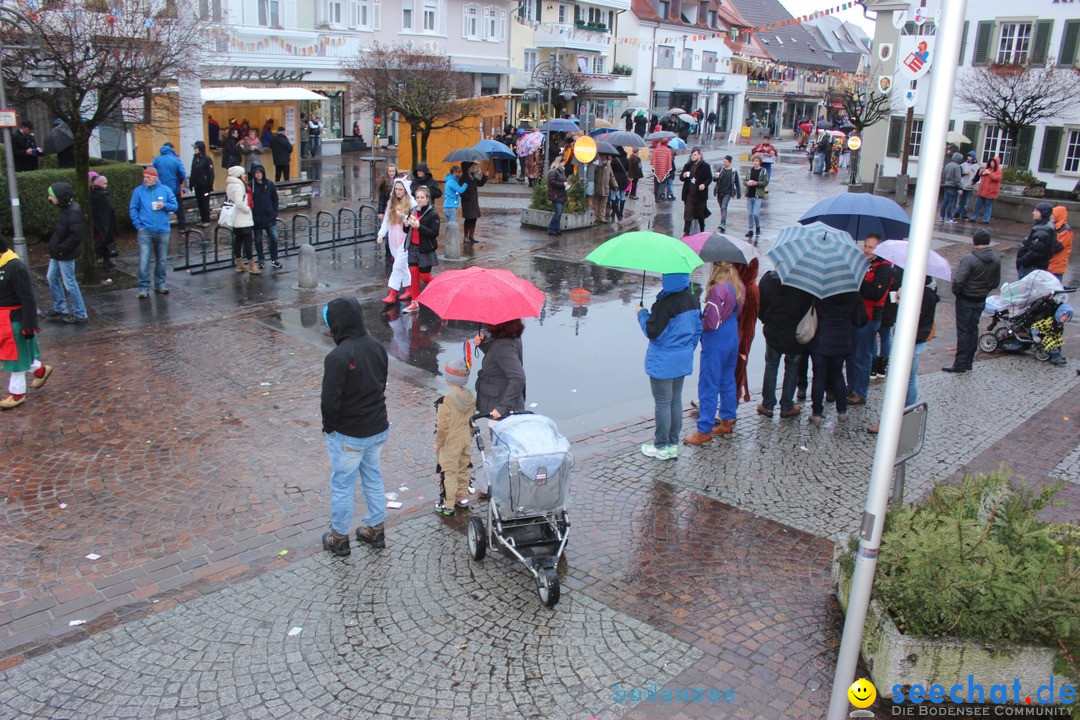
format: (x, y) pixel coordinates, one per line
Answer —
(819, 259)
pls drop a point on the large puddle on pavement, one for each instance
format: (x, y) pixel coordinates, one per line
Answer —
(584, 355)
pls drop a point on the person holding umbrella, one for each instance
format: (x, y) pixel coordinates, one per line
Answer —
(470, 199)
(696, 177)
(724, 296)
(673, 327)
(500, 383)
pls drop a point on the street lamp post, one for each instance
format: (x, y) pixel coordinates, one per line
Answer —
(17, 33)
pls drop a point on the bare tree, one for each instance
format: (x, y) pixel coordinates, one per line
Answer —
(106, 53)
(866, 108)
(1019, 96)
(426, 90)
(563, 86)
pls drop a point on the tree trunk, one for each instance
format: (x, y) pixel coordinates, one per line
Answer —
(81, 133)
(424, 134)
(412, 142)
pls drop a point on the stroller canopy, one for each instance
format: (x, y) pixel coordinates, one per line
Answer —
(523, 435)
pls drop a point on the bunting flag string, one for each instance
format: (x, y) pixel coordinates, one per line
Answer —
(289, 47)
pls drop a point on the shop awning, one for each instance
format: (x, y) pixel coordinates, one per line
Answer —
(483, 69)
(257, 94)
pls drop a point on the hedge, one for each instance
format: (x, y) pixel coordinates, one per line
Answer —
(39, 215)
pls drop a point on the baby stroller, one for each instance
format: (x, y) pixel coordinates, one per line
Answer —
(1026, 314)
(528, 477)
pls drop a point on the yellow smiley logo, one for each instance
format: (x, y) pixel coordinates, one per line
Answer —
(862, 693)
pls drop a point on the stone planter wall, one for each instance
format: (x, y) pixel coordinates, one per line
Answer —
(1037, 190)
(897, 659)
(570, 221)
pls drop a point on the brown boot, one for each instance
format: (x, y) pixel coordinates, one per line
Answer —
(253, 268)
(337, 544)
(373, 536)
(241, 266)
(724, 427)
(698, 438)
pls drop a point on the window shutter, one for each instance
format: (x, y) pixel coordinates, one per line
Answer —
(963, 44)
(1067, 54)
(288, 14)
(1051, 146)
(982, 42)
(465, 22)
(502, 25)
(971, 130)
(896, 136)
(1043, 28)
(376, 14)
(1022, 153)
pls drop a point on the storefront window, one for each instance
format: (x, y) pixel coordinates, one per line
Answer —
(331, 110)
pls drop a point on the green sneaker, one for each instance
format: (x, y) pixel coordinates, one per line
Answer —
(650, 450)
(671, 452)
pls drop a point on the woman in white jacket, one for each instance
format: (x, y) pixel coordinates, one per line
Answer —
(236, 192)
(395, 232)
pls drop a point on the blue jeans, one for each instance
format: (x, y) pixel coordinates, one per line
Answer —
(556, 219)
(158, 243)
(724, 200)
(716, 375)
(753, 209)
(316, 143)
(352, 457)
(884, 341)
(962, 202)
(820, 160)
(791, 378)
(61, 276)
(271, 240)
(980, 202)
(948, 202)
(861, 357)
(664, 189)
(913, 379)
(451, 214)
(667, 397)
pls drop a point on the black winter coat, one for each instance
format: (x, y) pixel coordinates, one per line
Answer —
(230, 153)
(20, 143)
(429, 229)
(836, 316)
(1038, 246)
(699, 174)
(280, 149)
(264, 197)
(353, 398)
(103, 214)
(500, 384)
(620, 172)
(978, 274)
(202, 171)
(16, 288)
(66, 241)
(470, 200)
(781, 309)
(427, 181)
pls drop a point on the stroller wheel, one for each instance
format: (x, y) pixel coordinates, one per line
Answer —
(547, 586)
(988, 342)
(1042, 354)
(477, 536)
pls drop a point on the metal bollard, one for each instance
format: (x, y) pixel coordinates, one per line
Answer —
(900, 194)
(452, 243)
(309, 268)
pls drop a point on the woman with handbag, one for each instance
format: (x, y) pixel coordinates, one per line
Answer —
(237, 214)
(422, 244)
(395, 231)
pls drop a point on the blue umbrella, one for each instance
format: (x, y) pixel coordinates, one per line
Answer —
(861, 214)
(677, 143)
(819, 259)
(495, 149)
(560, 125)
(597, 132)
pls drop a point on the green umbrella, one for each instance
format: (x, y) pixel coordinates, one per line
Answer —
(648, 251)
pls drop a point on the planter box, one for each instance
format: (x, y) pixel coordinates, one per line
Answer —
(1022, 190)
(897, 659)
(570, 221)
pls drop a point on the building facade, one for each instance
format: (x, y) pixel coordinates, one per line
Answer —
(1004, 37)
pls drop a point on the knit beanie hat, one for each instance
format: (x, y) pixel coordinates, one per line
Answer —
(457, 373)
(150, 171)
(100, 181)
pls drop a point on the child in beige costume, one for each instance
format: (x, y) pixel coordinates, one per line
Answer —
(453, 436)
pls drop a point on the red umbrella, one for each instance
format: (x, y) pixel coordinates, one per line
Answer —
(482, 295)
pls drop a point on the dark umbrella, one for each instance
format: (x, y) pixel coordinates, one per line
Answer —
(560, 125)
(598, 132)
(628, 111)
(860, 214)
(606, 148)
(495, 149)
(715, 247)
(825, 125)
(469, 154)
(59, 140)
(846, 127)
(622, 137)
(661, 135)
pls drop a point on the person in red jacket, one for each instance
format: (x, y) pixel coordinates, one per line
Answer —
(662, 160)
(989, 188)
(874, 291)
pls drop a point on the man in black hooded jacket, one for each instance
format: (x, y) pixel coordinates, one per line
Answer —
(65, 246)
(1040, 244)
(355, 423)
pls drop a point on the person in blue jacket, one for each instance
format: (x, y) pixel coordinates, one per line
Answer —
(150, 206)
(453, 187)
(673, 327)
(172, 174)
(724, 298)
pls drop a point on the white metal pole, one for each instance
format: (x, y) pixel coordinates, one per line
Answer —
(935, 128)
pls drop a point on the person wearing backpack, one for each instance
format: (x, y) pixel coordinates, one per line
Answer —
(784, 312)
(202, 181)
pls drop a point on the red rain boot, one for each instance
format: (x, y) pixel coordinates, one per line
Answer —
(391, 298)
(414, 286)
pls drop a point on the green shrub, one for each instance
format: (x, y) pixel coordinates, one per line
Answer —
(575, 196)
(1021, 176)
(975, 562)
(39, 215)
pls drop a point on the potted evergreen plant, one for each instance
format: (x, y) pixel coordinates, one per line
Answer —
(575, 215)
